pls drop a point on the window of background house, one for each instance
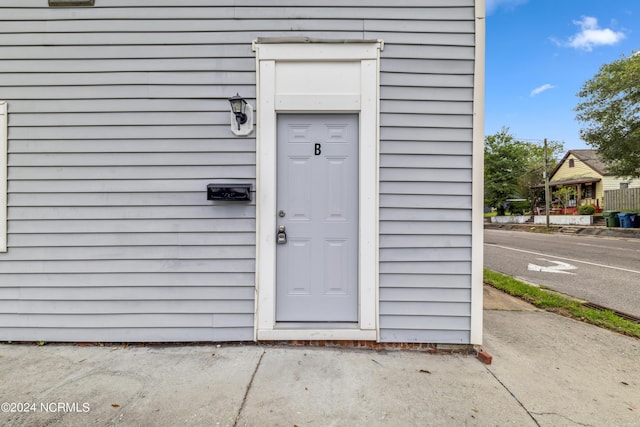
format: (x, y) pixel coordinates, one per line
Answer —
(624, 185)
(572, 163)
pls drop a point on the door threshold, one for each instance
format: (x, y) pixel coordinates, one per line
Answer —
(317, 325)
(289, 333)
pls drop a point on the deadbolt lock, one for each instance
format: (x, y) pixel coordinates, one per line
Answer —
(282, 235)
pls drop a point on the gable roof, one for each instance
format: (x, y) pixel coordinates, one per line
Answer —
(591, 158)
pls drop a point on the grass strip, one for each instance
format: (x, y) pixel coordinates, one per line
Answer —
(555, 303)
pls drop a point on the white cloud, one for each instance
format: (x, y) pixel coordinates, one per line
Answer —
(591, 35)
(492, 5)
(540, 89)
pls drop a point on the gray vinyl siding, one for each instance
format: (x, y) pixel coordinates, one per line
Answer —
(118, 119)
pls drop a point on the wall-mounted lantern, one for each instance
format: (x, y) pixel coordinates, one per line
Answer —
(241, 116)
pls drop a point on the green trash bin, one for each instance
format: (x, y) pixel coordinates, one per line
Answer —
(611, 218)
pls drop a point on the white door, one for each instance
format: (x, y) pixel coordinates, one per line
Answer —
(317, 218)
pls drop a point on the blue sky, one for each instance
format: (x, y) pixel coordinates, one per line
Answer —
(540, 52)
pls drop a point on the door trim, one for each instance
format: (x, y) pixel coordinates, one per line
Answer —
(309, 91)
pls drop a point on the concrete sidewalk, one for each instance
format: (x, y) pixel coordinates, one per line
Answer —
(547, 370)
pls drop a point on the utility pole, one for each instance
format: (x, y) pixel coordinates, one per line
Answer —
(547, 196)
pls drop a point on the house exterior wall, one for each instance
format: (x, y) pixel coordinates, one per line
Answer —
(118, 119)
(613, 183)
(580, 170)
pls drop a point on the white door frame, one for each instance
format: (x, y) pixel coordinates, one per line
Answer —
(317, 78)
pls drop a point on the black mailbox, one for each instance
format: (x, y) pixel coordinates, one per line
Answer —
(235, 192)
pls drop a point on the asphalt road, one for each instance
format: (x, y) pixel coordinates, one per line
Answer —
(601, 270)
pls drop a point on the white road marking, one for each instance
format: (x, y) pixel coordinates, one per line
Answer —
(559, 267)
(608, 247)
(567, 259)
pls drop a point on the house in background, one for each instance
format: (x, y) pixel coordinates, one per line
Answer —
(585, 171)
(344, 203)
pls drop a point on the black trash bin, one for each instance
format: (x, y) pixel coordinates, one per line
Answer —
(611, 218)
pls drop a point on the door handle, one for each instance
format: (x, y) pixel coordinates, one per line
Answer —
(282, 235)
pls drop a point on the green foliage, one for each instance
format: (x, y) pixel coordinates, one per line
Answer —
(518, 207)
(564, 193)
(511, 167)
(609, 109)
(558, 304)
(586, 210)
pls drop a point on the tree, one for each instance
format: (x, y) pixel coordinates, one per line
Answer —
(512, 167)
(610, 112)
(564, 193)
(535, 165)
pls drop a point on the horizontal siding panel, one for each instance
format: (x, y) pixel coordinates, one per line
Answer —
(148, 279)
(425, 134)
(123, 52)
(125, 313)
(425, 295)
(113, 79)
(426, 120)
(442, 188)
(131, 172)
(401, 280)
(425, 254)
(243, 27)
(102, 186)
(425, 241)
(131, 239)
(119, 119)
(426, 267)
(430, 336)
(181, 252)
(419, 106)
(132, 226)
(116, 105)
(129, 266)
(116, 65)
(424, 36)
(425, 161)
(149, 200)
(246, 3)
(426, 80)
(128, 293)
(428, 25)
(425, 93)
(128, 334)
(343, 30)
(425, 308)
(419, 175)
(454, 323)
(119, 132)
(451, 148)
(411, 214)
(393, 50)
(435, 227)
(126, 91)
(429, 201)
(132, 146)
(109, 212)
(248, 12)
(430, 66)
(132, 159)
